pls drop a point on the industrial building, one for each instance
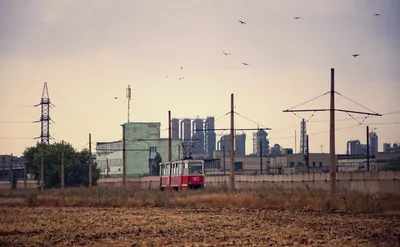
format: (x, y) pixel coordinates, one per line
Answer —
(284, 163)
(387, 148)
(260, 143)
(354, 147)
(143, 142)
(109, 158)
(240, 144)
(17, 164)
(303, 137)
(198, 136)
(373, 143)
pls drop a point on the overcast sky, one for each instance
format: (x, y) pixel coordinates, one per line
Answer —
(89, 51)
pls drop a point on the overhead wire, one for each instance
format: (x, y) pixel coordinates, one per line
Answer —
(255, 122)
(355, 102)
(310, 100)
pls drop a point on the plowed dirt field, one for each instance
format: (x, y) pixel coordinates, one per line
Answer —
(39, 226)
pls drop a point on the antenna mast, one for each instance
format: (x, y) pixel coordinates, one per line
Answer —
(128, 97)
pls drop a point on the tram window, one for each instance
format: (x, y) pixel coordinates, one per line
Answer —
(195, 168)
(186, 169)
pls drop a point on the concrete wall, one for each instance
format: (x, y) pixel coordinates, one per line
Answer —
(367, 182)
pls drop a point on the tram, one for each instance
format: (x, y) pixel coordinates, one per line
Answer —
(182, 175)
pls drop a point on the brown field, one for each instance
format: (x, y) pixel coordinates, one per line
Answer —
(101, 217)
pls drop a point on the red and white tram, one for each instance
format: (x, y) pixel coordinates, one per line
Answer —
(182, 175)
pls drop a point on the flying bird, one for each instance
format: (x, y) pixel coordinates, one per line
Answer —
(245, 64)
(181, 68)
(356, 55)
(241, 22)
(377, 15)
(226, 54)
(181, 78)
(297, 17)
(115, 97)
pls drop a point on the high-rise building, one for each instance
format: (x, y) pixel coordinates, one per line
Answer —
(260, 138)
(373, 143)
(353, 147)
(210, 137)
(198, 137)
(175, 128)
(386, 147)
(186, 129)
(225, 143)
(240, 145)
(303, 137)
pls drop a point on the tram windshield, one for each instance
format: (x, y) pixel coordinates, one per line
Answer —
(196, 168)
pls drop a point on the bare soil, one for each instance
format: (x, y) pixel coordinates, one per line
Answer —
(82, 226)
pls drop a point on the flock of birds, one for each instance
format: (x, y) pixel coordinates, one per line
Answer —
(246, 64)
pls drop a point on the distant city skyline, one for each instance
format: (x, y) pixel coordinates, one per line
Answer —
(89, 58)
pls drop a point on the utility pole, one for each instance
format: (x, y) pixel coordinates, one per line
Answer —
(107, 166)
(25, 168)
(368, 168)
(179, 152)
(11, 172)
(123, 157)
(232, 151)
(169, 137)
(90, 160)
(223, 158)
(295, 142)
(332, 110)
(42, 171)
(261, 158)
(62, 165)
(332, 166)
(308, 156)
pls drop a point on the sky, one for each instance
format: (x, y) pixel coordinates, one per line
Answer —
(89, 51)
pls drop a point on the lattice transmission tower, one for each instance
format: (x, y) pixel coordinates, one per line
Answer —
(44, 116)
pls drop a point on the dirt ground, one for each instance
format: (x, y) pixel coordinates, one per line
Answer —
(30, 226)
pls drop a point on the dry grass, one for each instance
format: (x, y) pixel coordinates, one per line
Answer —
(212, 217)
(49, 226)
(273, 198)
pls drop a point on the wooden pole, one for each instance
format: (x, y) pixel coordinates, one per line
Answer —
(261, 154)
(11, 172)
(42, 170)
(25, 168)
(123, 157)
(332, 167)
(368, 167)
(62, 165)
(308, 155)
(169, 137)
(232, 150)
(90, 160)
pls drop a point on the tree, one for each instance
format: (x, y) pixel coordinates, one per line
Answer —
(393, 165)
(76, 165)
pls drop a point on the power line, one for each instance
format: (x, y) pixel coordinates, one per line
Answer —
(355, 102)
(16, 138)
(310, 100)
(351, 118)
(15, 122)
(16, 105)
(250, 120)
